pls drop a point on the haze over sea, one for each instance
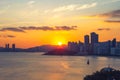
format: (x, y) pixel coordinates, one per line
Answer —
(35, 66)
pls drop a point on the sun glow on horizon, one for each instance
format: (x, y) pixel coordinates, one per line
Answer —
(60, 43)
(59, 40)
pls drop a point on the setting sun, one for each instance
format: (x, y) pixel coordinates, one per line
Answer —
(60, 43)
(59, 40)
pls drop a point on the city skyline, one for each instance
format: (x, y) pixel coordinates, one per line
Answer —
(90, 46)
(29, 23)
(89, 39)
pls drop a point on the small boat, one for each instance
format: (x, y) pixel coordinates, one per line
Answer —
(88, 62)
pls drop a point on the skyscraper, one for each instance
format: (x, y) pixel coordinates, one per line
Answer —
(7, 46)
(114, 43)
(13, 47)
(86, 39)
(94, 38)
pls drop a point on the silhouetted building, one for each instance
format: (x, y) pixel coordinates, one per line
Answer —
(74, 46)
(94, 46)
(118, 44)
(81, 47)
(13, 47)
(102, 48)
(7, 46)
(86, 44)
(86, 39)
(94, 38)
(115, 51)
(114, 43)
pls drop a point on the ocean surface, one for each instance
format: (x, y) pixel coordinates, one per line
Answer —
(35, 66)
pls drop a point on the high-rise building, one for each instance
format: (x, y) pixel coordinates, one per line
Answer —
(114, 43)
(94, 38)
(7, 46)
(13, 46)
(86, 39)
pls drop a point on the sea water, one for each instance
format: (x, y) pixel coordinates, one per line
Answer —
(35, 66)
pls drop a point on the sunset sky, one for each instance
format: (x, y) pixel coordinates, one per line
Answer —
(29, 23)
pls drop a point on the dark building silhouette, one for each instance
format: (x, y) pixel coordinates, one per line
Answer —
(86, 44)
(86, 39)
(74, 46)
(7, 46)
(102, 48)
(114, 43)
(94, 38)
(13, 47)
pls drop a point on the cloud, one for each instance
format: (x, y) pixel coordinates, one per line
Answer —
(113, 16)
(65, 8)
(12, 29)
(111, 1)
(7, 36)
(43, 28)
(86, 6)
(113, 21)
(67, 28)
(73, 7)
(10, 36)
(105, 29)
(47, 28)
(31, 2)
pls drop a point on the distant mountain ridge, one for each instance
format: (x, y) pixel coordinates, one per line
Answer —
(43, 48)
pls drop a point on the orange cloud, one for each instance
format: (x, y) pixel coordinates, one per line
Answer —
(101, 29)
(44, 28)
(113, 16)
(7, 36)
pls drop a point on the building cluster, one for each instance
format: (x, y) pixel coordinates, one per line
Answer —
(92, 46)
(8, 48)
